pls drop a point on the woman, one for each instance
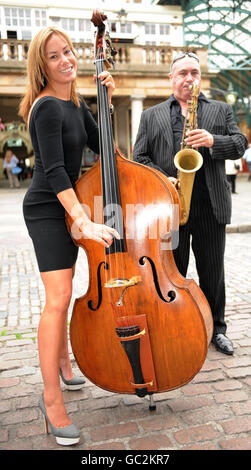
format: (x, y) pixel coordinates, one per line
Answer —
(60, 125)
(10, 162)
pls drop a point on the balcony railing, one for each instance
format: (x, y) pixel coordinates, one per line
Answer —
(130, 57)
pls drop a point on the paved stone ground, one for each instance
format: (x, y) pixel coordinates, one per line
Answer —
(212, 412)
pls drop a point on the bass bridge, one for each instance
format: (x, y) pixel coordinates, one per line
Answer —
(124, 283)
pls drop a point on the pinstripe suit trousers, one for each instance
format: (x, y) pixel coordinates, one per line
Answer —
(207, 238)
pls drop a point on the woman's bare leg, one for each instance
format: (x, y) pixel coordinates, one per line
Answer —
(64, 360)
(52, 335)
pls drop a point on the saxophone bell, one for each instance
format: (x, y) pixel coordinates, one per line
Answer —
(187, 161)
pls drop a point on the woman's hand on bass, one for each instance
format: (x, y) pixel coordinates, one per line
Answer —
(107, 80)
(99, 233)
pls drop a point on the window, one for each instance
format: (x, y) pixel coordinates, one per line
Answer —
(11, 34)
(81, 28)
(150, 28)
(22, 17)
(26, 35)
(64, 23)
(40, 18)
(126, 28)
(72, 24)
(84, 25)
(81, 25)
(68, 24)
(164, 29)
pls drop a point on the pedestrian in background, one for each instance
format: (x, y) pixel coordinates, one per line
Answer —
(232, 169)
(11, 162)
(247, 156)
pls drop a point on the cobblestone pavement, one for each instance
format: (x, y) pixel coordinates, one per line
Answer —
(212, 412)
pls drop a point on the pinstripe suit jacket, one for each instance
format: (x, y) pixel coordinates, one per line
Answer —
(154, 147)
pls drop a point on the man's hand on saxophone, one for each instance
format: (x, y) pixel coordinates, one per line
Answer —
(199, 138)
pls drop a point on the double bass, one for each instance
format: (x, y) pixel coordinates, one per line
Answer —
(141, 327)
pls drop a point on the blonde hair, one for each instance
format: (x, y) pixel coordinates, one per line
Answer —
(36, 69)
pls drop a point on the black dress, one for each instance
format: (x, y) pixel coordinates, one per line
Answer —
(59, 131)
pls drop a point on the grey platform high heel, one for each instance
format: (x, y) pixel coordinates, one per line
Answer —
(65, 436)
(76, 383)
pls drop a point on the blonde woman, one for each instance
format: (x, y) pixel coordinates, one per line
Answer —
(60, 124)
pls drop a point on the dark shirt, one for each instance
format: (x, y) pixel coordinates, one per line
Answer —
(177, 119)
(59, 131)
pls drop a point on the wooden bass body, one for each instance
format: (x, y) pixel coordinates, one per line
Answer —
(137, 303)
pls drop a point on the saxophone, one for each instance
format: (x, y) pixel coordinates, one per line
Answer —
(188, 160)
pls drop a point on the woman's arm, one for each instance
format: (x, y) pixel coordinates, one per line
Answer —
(90, 230)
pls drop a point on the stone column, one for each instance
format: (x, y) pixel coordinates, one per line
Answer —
(137, 108)
(122, 128)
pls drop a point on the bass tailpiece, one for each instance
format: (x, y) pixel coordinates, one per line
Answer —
(134, 339)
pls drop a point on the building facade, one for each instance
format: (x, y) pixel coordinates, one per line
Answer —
(146, 37)
(129, 20)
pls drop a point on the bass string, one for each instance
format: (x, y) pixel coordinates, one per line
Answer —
(104, 147)
(117, 257)
(109, 186)
(101, 145)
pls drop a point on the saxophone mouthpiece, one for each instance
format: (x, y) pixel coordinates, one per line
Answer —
(193, 85)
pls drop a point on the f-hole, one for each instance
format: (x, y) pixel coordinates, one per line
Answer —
(90, 302)
(171, 294)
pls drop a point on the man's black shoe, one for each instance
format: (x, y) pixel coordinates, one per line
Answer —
(223, 344)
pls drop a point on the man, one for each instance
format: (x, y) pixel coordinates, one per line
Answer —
(217, 138)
